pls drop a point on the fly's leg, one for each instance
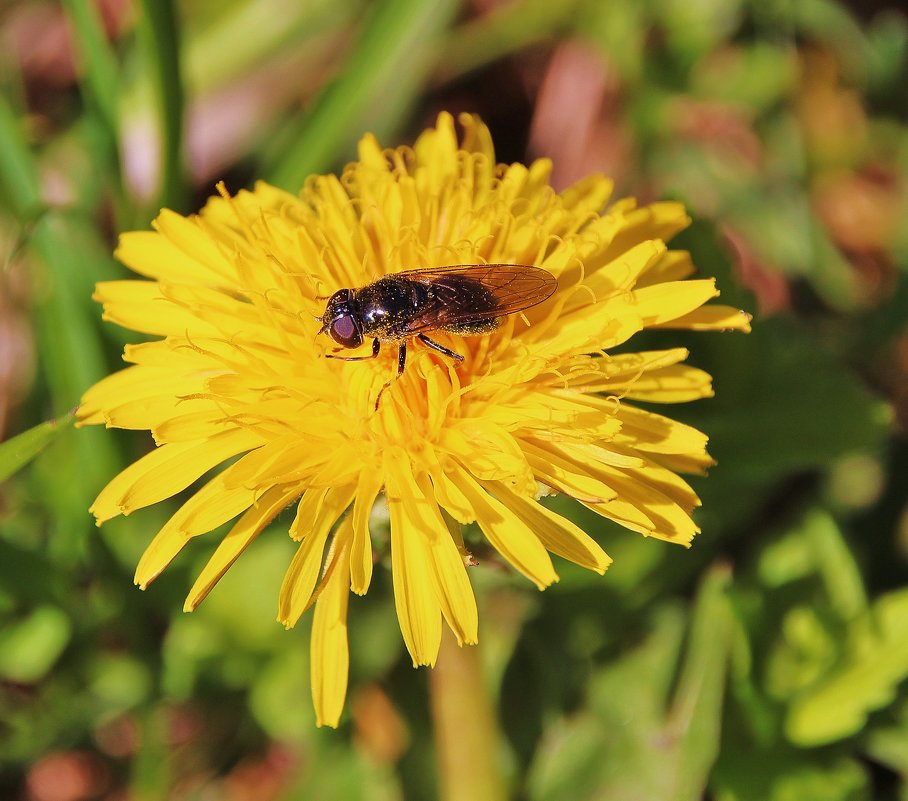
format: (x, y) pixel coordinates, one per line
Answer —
(401, 363)
(376, 347)
(440, 348)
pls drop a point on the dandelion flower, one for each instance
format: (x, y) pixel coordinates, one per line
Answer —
(238, 374)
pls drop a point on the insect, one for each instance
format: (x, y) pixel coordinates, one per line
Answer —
(466, 299)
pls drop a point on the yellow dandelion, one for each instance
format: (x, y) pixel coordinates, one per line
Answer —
(236, 295)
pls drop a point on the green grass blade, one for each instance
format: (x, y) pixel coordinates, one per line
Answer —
(17, 452)
(391, 63)
(18, 179)
(159, 30)
(101, 75)
(695, 719)
(71, 353)
(510, 27)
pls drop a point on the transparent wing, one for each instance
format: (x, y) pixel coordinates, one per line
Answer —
(472, 293)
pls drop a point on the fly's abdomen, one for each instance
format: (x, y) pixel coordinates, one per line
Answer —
(473, 328)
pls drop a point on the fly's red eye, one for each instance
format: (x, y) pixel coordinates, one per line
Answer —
(344, 332)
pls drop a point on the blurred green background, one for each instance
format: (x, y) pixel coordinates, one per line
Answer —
(766, 663)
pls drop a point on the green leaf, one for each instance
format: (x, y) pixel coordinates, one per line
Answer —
(888, 35)
(757, 76)
(888, 745)
(609, 751)
(781, 774)
(876, 661)
(605, 746)
(816, 545)
(119, 681)
(833, 24)
(29, 647)
(281, 684)
(693, 29)
(17, 452)
(784, 404)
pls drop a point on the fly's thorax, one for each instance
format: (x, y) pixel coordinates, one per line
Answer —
(386, 306)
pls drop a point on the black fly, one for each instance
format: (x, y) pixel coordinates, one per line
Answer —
(466, 299)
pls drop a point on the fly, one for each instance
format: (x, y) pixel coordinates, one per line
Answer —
(465, 299)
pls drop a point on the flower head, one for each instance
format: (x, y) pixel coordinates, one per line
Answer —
(239, 374)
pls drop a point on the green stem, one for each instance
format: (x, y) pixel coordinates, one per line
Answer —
(466, 733)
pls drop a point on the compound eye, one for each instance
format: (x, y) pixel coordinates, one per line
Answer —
(344, 332)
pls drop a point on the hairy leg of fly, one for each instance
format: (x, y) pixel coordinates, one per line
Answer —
(440, 348)
(401, 363)
(376, 347)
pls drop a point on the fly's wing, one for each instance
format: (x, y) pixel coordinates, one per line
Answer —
(466, 294)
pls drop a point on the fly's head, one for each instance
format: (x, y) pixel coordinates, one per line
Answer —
(341, 321)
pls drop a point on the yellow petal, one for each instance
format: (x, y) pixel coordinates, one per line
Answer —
(201, 255)
(436, 149)
(684, 462)
(619, 275)
(621, 370)
(159, 389)
(586, 330)
(209, 508)
(370, 153)
(281, 461)
(652, 376)
(666, 481)
(655, 433)
(558, 534)
(551, 467)
(488, 452)
(152, 254)
(662, 302)
(477, 139)
(167, 470)
(415, 599)
(509, 535)
(678, 384)
(624, 513)
(153, 410)
(447, 494)
(445, 561)
(314, 520)
(674, 265)
(712, 318)
(329, 653)
(246, 529)
(367, 489)
(669, 521)
(141, 306)
(588, 195)
(660, 220)
(580, 466)
(202, 424)
(231, 317)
